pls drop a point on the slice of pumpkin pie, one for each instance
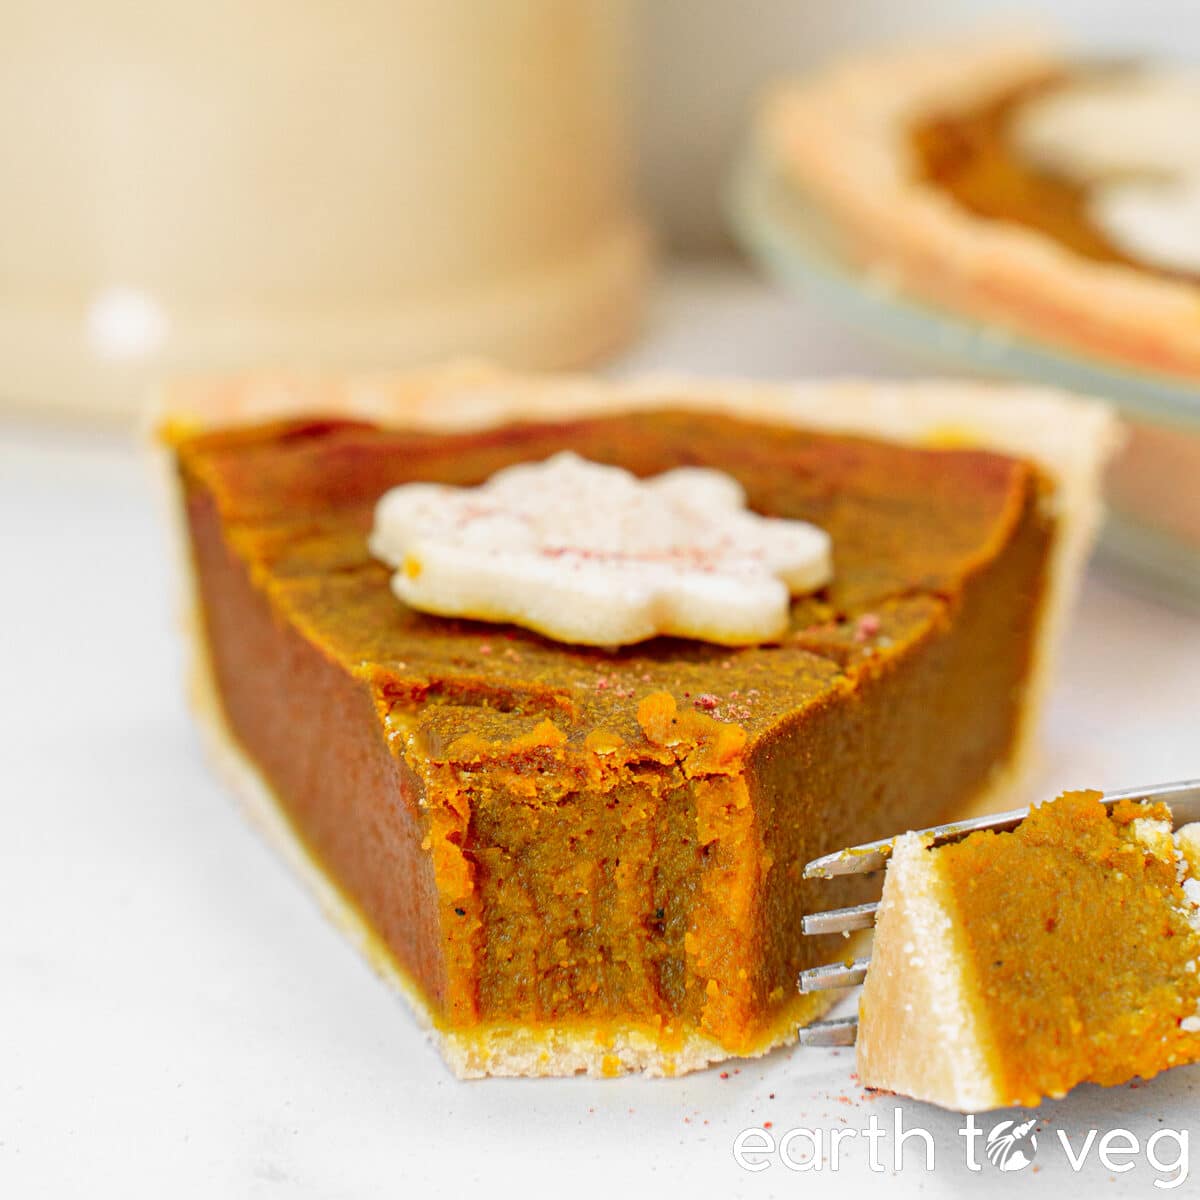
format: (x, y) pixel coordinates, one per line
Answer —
(550, 687)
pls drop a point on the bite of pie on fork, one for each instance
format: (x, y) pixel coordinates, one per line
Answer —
(1017, 955)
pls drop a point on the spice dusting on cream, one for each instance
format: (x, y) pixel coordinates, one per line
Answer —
(591, 554)
(1131, 138)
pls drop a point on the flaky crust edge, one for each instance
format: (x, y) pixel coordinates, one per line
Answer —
(840, 138)
(1071, 439)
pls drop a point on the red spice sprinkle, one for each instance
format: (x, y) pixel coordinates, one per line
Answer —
(768, 1124)
(707, 702)
(868, 626)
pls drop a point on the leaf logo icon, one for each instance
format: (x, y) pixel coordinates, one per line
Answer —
(1010, 1146)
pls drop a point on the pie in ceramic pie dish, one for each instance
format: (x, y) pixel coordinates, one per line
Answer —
(587, 858)
(1003, 179)
(1008, 967)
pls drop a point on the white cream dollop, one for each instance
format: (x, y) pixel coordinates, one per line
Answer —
(1133, 138)
(1157, 223)
(590, 554)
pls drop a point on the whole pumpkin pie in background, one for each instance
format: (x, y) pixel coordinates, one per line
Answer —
(1012, 966)
(576, 858)
(1002, 178)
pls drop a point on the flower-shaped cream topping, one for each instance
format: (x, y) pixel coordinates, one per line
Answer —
(1133, 139)
(590, 554)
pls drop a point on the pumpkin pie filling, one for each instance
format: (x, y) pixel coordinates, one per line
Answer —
(973, 154)
(970, 155)
(546, 838)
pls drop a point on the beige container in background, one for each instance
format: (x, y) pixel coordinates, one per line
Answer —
(299, 183)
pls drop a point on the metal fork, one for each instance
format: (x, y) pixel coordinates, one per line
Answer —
(1183, 798)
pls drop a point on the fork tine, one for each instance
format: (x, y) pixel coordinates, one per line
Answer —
(1183, 797)
(834, 975)
(840, 920)
(840, 1032)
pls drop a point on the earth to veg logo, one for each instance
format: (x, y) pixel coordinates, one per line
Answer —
(1010, 1146)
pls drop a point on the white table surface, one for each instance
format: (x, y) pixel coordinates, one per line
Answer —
(177, 1020)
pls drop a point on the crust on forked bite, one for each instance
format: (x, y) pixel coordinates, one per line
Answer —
(917, 1033)
(841, 139)
(1071, 439)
